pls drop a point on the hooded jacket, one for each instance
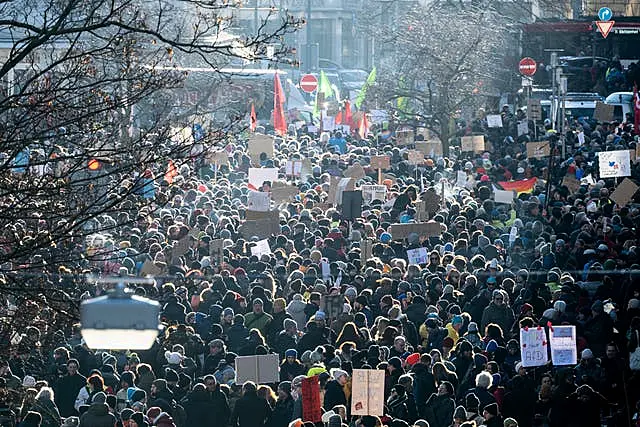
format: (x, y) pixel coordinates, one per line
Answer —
(296, 310)
(97, 416)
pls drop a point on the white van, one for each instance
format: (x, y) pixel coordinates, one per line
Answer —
(623, 104)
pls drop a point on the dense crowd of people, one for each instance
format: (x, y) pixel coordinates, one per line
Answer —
(446, 331)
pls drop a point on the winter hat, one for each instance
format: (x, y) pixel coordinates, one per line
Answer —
(320, 315)
(337, 373)
(173, 358)
(492, 346)
(228, 312)
(586, 354)
(291, 353)
(171, 375)
(126, 414)
(335, 421)
(473, 327)
(29, 381)
(327, 415)
(289, 323)
(99, 397)
(138, 418)
(560, 306)
(492, 408)
(138, 395)
(510, 422)
(457, 320)
(413, 358)
(395, 362)
(518, 367)
(471, 401)
(285, 386)
(154, 412)
(460, 412)
(483, 241)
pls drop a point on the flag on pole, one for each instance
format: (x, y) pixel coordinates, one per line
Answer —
(636, 110)
(363, 92)
(324, 85)
(253, 120)
(171, 172)
(363, 127)
(279, 121)
(348, 116)
(339, 118)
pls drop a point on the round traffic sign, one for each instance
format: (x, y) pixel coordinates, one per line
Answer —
(527, 66)
(308, 83)
(605, 14)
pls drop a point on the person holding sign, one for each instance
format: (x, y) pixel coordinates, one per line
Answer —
(334, 390)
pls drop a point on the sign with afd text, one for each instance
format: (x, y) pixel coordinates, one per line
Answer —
(533, 347)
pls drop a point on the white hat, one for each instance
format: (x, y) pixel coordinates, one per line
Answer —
(173, 358)
(337, 373)
(586, 354)
(29, 381)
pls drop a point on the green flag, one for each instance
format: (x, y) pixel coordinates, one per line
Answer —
(363, 92)
(324, 85)
(403, 102)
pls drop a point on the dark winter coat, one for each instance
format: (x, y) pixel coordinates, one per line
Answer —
(288, 371)
(334, 395)
(97, 416)
(251, 411)
(236, 337)
(199, 408)
(66, 391)
(282, 413)
(424, 385)
(439, 410)
(49, 412)
(500, 315)
(220, 405)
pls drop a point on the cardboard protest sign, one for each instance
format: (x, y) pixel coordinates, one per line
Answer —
(533, 347)
(351, 204)
(149, 268)
(260, 224)
(259, 144)
(328, 124)
(466, 143)
(332, 305)
(613, 164)
(216, 251)
(418, 256)
(603, 112)
(257, 176)
(284, 193)
(219, 158)
(261, 369)
(258, 201)
(425, 229)
(494, 120)
(373, 192)
(562, 340)
(415, 157)
(367, 392)
(538, 149)
(478, 143)
(181, 246)
(431, 149)
(338, 186)
(293, 168)
(534, 109)
(624, 192)
(380, 162)
(571, 183)
(355, 171)
(426, 133)
(404, 137)
(311, 405)
(523, 128)
(503, 196)
(261, 248)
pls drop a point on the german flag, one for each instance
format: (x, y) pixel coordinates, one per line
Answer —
(521, 186)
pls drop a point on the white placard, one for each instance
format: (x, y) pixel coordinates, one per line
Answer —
(367, 392)
(258, 201)
(533, 347)
(418, 256)
(563, 345)
(614, 164)
(262, 247)
(523, 128)
(494, 120)
(328, 124)
(581, 139)
(293, 168)
(259, 175)
(373, 192)
(461, 179)
(503, 196)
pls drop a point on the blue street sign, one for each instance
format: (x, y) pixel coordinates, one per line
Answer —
(605, 14)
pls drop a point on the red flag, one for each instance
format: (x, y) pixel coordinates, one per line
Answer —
(339, 118)
(348, 117)
(521, 186)
(253, 119)
(363, 127)
(636, 110)
(171, 172)
(279, 121)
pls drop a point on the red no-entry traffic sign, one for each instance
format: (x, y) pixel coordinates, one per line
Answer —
(308, 83)
(527, 67)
